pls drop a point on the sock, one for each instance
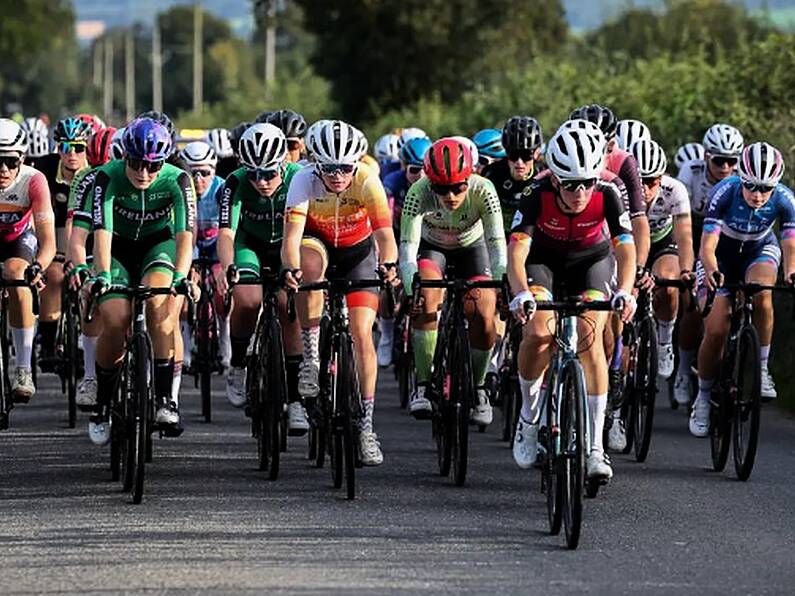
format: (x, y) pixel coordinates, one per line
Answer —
(597, 404)
(239, 348)
(164, 379)
(310, 338)
(764, 356)
(176, 382)
(704, 389)
(531, 391)
(366, 423)
(90, 356)
(494, 363)
(106, 383)
(686, 360)
(23, 345)
(47, 330)
(186, 342)
(665, 332)
(424, 347)
(387, 328)
(480, 366)
(292, 364)
(223, 338)
(618, 351)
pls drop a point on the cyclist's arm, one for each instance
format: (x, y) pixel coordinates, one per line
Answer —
(410, 234)
(43, 219)
(719, 200)
(380, 216)
(620, 228)
(787, 223)
(229, 209)
(102, 210)
(76, 251)
(630, 176)
(493, 232)
(683, 236)
(184, 224)
(295, 214)
(520, 241)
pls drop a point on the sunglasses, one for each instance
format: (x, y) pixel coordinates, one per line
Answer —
(753, 187)
(414, 170)
(142, 164)
(67, 146)
(329, 169)
(202, 173)
(577, 184)
(444, 189)
(649, 181)
(262, 175)
(525, 155)
(293, 145)
(484, 161)
(721, 161)
(9, 161)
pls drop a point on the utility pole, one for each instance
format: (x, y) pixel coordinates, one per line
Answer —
(108, 90)
(129, 75)
(98, 49)
(198, 57)
(157, 69)
(265, 15)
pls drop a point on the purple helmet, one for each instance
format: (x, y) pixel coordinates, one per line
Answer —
(148, 140)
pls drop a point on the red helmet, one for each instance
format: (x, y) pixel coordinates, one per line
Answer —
(448, 161)
(98, 149)
(93, 121)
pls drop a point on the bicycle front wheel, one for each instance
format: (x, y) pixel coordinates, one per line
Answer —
(346, 400)
(644, 387)
(276, 399)
(140, 400)
(552, 480)
(71, 360)
(573, 448)
(746, 388)
(462, 395)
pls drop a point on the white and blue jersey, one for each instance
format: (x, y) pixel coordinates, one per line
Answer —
(396, 186)
(208, 213)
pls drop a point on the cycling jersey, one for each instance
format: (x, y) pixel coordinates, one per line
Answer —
(225, 166)
(396, 186)
(625, 166)
(118, 207)
(387, 168)
(79, 205)
(50, 165)
(693, 174)
(28, 193)
(208, 215)
(478, 218)
(508, 189)
(338, 220)
(671, 200)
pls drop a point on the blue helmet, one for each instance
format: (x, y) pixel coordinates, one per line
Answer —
(413, 151)
(148, 140)
(489, 143)
(71, 129)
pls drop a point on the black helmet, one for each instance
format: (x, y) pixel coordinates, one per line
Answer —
(236, 133)
(292, 123)
(262, 118)
(603, 117)
(521, 132)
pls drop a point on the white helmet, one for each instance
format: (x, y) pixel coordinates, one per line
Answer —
(117, 145)
(689, 152)
(199, 153)
(576, 154)
(585, 126)
(386, 148)
(363, 144)
(311, 136)
(411, 133)
(652, 162)
(38, 137)
(218, 139)
(12, 137)
(722, 139)
(762, 164)
(263, 147)
(337, 142)
(630, 131)
(469, 144)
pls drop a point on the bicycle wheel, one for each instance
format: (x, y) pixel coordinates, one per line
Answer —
(352, 405)
(645, 387)
(276, 399)
(462, 396)
(205, 325)
(140, 400)
(720, 420)
(573, 449)
(5, 402)
(407, 379)
(552, 481)
(746, 388)
(71, 359)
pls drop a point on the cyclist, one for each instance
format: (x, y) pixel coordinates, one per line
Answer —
(293, 125)
(688, 152)
(227, 165)
(201, 158)
(671, 253)
(452, 217)
(61, 168)
(221, 142)
(386, 152)
(490, 149)
(396, 185)
(27, 245)
(38, 140)
(252, 224)
(722, 147)
(144, 209)
(739, 244)
(628, 132)
(343, 207)
(563, 236)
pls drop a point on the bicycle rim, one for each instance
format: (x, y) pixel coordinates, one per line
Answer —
(747, 387)
(140, 410)
(645, 388)
(573, 450)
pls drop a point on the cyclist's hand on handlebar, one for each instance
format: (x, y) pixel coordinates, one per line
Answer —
(687, 276)
(388, 273)
(225, 278)
(713, 279)
(644, 280)
(34, 275)
(625, 304)
(418, 306)
(791, 279)
(99, 285)
(76, 275)
(291, 279)
(186, 287)
(523, 306)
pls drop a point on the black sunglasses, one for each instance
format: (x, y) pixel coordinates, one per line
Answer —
(444, 189)
(142, 164)
(753, 187)
(649, 181)
(66, 146)
(329, 169)
(414, 170)
(526, 155)
(258, 175)
(720, 161)
(574, 185)
(202, 173)
(9, 161)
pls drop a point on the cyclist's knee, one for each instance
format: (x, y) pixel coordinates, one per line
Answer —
(312, 264)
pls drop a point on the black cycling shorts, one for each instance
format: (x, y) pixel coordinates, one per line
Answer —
(25, 246)
(559, 278)
(665, 246)
(469, 262)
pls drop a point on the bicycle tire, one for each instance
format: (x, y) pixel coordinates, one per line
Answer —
(462, 397)
(645, 388)
(407, 378)
(275, 385)
(348, 398)
(204, 326)
(126, 426)
(141, 412)
(720, 419)
(552, 482)
(71, 364)
(5, 401)
(747, 389)
(573, 449)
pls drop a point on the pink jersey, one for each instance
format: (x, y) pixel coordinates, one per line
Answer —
(28, 193)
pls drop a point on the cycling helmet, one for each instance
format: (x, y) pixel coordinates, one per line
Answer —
(99, 144)
(147, 139)
(72, 129)
(520, 133)
(722, 139)
(489, 143)
(292, 123)
(38, 137)
(163, 119)
(262, 117)
(117, 144)
(199, 153)
(12, 137)
(337, 142)
(219, 140)
(469, 143)
(262, 147)
(601, 116)
(412, 153)
(236, 133)
(585, 126)
(689, 152)
(364, 145)
(652, 162)
(448, 161)
(386, 148)
(410, 133)
(575, 154)
(95, 122)
(629, 131)
(762, 164)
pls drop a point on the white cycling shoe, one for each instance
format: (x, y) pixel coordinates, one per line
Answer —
(370, 449)
(482, 414)
(665, 360)
(99, 430)
(598, 466)
(768, 386)
(86, 393)
(308, 375)
(699, 418)
(617, 435)
(419, 405)
(525, 444)
(297, 423)
(682, 388)
(236, 386)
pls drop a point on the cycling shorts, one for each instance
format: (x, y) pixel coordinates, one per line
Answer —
(350, 262)
(550, 275)
(664, 246)
(251, 254)
(468, 262)
(25, 246)
(734, 266)
(133, 259)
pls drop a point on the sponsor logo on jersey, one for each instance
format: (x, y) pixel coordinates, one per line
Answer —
(143, 216)
(623, 219)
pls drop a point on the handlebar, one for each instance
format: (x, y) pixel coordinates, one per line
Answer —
(22, 283)
(136, 293)
(688, 286)
(748, 290)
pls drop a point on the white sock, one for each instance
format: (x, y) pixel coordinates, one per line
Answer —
(665, 331)
(764, 356)
(531, 391)
(90, 356)
(686, 359)
(23, 345)
(176, 382)
(186, 342)
(223, 338)
(704, 389)
(310, 339)
(597, 404)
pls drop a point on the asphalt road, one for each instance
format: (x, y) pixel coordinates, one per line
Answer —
(210, 522)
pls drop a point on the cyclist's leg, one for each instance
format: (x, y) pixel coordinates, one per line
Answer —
(764, 270)
(17, 255)
(309, 307)
(690, 329)
(50, 309)
(666, 306)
